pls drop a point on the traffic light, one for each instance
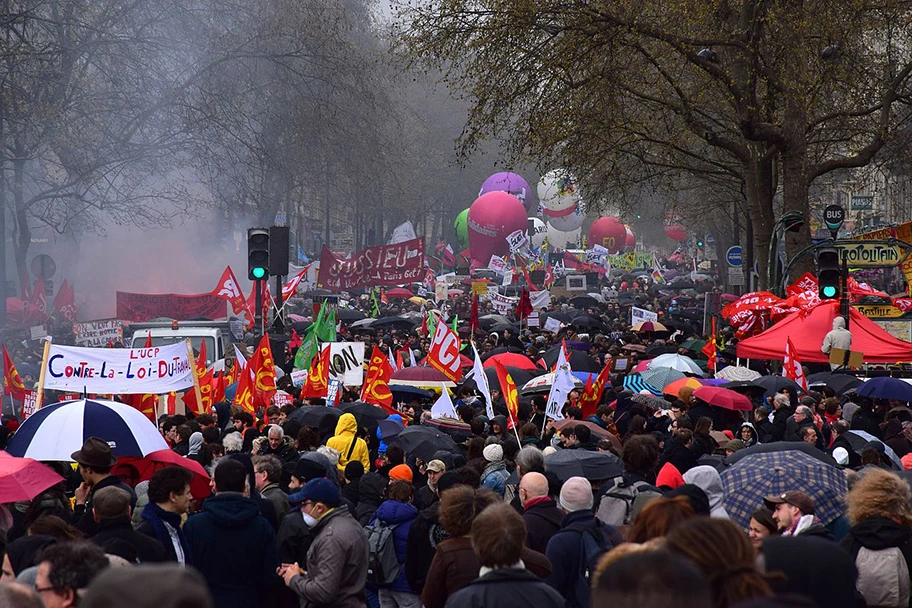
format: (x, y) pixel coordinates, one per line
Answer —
(829, 274)
(700, 242)
(257, 253)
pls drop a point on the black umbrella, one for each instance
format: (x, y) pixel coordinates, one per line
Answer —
(584, 301)
(747, 387)
(394, 321)
(407, 393)
(579, 361)
(316, 293)
(311, 415)
(594, 466)
(423, 442)
(840, 383)
(520, 376)
(562, 317)
(350, 314)
(502, 326)
(367, 414)
(774, 384)
(496, 351)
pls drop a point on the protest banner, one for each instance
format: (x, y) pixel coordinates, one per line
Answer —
(374, 266)
(346, 362)
(98, 333)
(29, 404)
(639, 314)
(501, 303)
(540, 299)
(107, 371)
(148, 306)
(498, 264)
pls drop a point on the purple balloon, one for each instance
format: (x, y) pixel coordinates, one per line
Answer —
(512, 183)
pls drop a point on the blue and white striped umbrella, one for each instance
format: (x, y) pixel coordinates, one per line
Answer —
(56, 431)
(636, 384)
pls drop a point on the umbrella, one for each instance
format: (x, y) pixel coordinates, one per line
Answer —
(311, 415)
(774, 384)
(593, 427)
(583, 463)
(400, 293)
(587, 321)
(694, 345)
(724, 398)
(560, 316)
(393, 322)
(885, 387)
(520, 376)
(584, 301)
(499, 351)
(421, 376)
(56, 431)
(350, 314)
(423, 442)
(673, 388)
(579, 361)
(859, 439)
(661, 377)
(141, 469)
(390, 428)
(458, 430)
(363, 323)
(500, 327)
(755, 476)
(654, 403)
(642, 366)
(635, 348)
(657, 349)
(463, 361)
(840, 383)
(542, 384)
(746, 387)
(735, 373)
(418, 300)
(367, 414)
(679, 362)
(407, 393)
(23, 479)
(648, 327)
(636, 384)
(511, 360)
(763, 448)
(488, 320)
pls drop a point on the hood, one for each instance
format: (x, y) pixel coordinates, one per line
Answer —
(893, 429)
(707, 479)
(748, 425)
(347, 425)
(848, 411)
(371, 487)
(669, 476)
(502, 421)
(196, 442)
(877, 533)
(395, 512)
(231, 509)
(223, 412)
(324, 462)
(838, 323)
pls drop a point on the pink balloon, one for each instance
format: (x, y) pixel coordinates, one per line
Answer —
(630, 243)
(608, 232)
(492, 217)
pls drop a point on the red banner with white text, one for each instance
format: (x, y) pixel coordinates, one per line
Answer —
(148, 306)
(383, 265)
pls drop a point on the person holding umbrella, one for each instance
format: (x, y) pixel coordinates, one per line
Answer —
(95, 462)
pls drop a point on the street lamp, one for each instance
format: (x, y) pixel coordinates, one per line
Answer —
(790, 222)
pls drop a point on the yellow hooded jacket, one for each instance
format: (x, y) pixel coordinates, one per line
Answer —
(346, 430)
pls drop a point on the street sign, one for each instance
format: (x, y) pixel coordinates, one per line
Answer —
(709, 251)
(733, 256)
(735, 276)
(833, 217)
(879, 311)
(872, 254)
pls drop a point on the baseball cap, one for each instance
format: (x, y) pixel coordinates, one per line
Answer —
(318, 490)
(802, 501)
(437, 466)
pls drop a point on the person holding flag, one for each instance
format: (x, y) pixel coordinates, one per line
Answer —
(560, 387)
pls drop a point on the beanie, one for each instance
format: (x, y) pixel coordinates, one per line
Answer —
(576, 495)
(493, 452)
(401, 472)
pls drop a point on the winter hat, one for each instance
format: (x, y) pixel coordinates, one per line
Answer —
(669, 476)
(494, 453)
(576, 495)
(841, 456)
(401, 472)
(734, 445)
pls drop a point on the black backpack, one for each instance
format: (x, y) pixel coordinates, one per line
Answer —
(595, 541)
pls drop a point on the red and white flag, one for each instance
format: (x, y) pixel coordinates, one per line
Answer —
(791, 366)
(444, 352)
(228, 289)
(36, 307)
(289, 288)
(65, 302)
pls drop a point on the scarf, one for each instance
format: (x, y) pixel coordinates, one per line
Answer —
(492, 467)
(157, 517)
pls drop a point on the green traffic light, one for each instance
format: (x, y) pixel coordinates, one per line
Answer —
(699, 243)
(259, 273)
(829, 291)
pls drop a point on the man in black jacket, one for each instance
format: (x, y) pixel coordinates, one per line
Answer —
(95, 463)
(540, 513)
(111, 508)
(781, 416)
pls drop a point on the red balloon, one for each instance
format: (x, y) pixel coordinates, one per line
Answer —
(674, 229)
(492, 217)
(630, 243)
(609, 232)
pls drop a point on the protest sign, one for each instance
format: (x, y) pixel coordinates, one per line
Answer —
(37, 332)
(383, 265)
(112, 371)
(498, 264)
(441, 291)
(502, 304)
(540, 299)
(98, 333)
(552, 325)
(346, 362)
(148, 306)
(29, 404)
(638, 315)
(533, 320)
(508, 278)
(517, 240)
(298, 377)
(479, 288)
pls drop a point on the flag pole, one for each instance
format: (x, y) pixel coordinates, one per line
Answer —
(196, 384)
(39, 398)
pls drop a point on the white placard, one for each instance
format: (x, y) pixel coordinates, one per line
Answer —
(37, 332)
(299, 377)
(498, 264)
(508, 278)
(98, 333)
(517, 240)
(552, 325)
(540, 299)
(533, 319)
(638, 315)
(346, 362)
(441, 291)
(114, 371)
(28, 405)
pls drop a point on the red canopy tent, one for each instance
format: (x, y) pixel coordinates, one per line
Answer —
(807, 332)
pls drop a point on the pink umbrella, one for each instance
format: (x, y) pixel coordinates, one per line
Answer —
(724, 398)
(24, 478)
(642, 366)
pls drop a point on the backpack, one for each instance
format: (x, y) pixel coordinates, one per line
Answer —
(595, 541)
(382, 564)
(616, 502)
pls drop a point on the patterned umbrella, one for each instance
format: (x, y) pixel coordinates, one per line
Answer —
(734, 373)
(672, 388)
(636, 384)
(750, 479)
(660, 377)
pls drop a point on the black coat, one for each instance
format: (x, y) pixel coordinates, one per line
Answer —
(766, 431)
(679, 455)
(780, 419)
(543, 520)
(507, 587)
(424, 535)
(82, 514)
(118, 537)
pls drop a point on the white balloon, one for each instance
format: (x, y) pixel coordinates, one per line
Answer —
(558, 191)
(539, 232)
(563, 240)
(570, 221)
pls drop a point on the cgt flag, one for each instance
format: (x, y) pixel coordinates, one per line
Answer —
(376, 388)
(316, 385)
(12, 382)
(228, 289)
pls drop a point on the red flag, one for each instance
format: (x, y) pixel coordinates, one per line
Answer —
(218, 388)
(205, 382)
(65, 302)
(262, 369)
(376, 383)
(549, 277)
(201, 363)
(510, 394)
(246, 382)
(146, 403)
(791, 366)
(473, 316)
(229, 289)
(709, 349)
(295, 341)
(524, 307)
(36, 308)
(317, 383)
(444, 352)
(12, 382)
(592, 394)
(171, 402)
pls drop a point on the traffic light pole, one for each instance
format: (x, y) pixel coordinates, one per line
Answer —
(258, 303)
(844, 297)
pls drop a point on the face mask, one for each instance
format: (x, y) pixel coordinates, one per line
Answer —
(310, 520)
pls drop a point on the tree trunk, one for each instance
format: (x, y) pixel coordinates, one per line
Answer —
(24, 239)
(759, 190)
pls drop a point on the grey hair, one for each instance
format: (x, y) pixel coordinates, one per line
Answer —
(804, 411)
(781, 399)
(270, 465)
(233, 442)
(529, 459)
(275, 429)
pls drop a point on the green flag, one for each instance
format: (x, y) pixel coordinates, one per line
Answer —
(375, 309)
(455, 322)
(322, 330)
(431, 324)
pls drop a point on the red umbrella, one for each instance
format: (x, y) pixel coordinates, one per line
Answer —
(140, 469)
(463, 361)
(399, 292)
(723, 397)
(23, 479)
(513, 360)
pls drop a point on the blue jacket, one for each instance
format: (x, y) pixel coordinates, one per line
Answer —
(233, 547)
(383, 446)
(401, 515)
